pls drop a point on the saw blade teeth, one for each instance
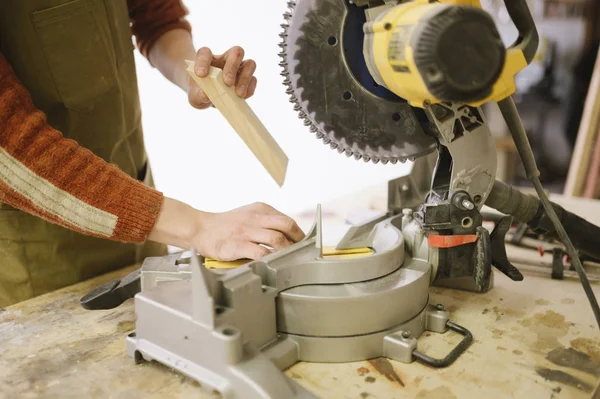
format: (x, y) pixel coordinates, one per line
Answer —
(402, 160)
(342, 147)
(411, 159)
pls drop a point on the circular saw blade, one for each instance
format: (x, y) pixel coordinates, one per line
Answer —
(321, 44)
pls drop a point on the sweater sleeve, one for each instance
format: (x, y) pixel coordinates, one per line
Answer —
(50, 176)
(150, 19)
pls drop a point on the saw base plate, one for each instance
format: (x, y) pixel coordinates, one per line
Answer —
(235, 330)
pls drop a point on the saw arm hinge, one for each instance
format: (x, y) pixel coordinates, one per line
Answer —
(465, 250)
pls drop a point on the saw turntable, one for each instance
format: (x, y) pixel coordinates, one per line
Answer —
(382, 81)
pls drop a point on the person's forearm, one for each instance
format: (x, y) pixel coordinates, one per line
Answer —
(169, 53)
(37, 169)
(177, 224)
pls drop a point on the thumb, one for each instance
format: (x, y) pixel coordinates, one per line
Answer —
(197, 98)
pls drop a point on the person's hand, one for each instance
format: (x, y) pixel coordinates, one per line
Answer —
(238, 234)
(241, 233)
(236, 72)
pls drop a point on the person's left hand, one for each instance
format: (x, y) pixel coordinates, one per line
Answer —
(236, 71)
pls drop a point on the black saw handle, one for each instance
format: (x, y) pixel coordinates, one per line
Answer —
(113, 293)
(528, 39)
(528, 209)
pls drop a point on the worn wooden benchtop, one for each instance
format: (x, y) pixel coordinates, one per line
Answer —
(533, 339)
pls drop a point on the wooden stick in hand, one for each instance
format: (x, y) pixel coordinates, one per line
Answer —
(244, 121)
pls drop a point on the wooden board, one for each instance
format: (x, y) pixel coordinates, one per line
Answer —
(244, 121)
(586, 137)
(592, 181)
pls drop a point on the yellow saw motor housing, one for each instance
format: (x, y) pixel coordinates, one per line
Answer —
(447, 51)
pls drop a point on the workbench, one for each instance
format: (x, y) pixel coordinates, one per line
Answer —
(532, 339)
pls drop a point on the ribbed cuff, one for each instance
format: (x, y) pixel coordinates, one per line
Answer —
(146, 45)
(137, 213)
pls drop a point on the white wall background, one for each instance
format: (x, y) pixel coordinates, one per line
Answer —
(199, 159)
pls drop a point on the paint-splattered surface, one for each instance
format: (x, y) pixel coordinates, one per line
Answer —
(533, 339)
(50, 347)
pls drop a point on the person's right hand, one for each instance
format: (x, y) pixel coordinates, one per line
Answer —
(237, 234)
(237, 71)
(227, 236)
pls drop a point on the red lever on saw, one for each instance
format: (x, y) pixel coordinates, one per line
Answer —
(450, 241)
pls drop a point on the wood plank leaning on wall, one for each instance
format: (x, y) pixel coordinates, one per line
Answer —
(588, 131)
(591, 183)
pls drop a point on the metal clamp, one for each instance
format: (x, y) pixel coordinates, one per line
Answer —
(454, 354)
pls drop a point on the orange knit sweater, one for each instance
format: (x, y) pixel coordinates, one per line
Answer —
(67, 184)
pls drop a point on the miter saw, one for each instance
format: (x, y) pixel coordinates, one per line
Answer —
(385, 81)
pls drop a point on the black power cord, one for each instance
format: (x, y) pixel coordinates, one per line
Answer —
(515, 126)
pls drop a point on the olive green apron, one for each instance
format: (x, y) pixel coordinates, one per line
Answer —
(75, 57)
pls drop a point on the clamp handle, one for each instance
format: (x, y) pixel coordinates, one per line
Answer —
(528, 39)
(458, 350)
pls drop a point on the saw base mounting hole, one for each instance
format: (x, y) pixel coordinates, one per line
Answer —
(229, 331)
(347, 96)
(396, 117)
(332, 41)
